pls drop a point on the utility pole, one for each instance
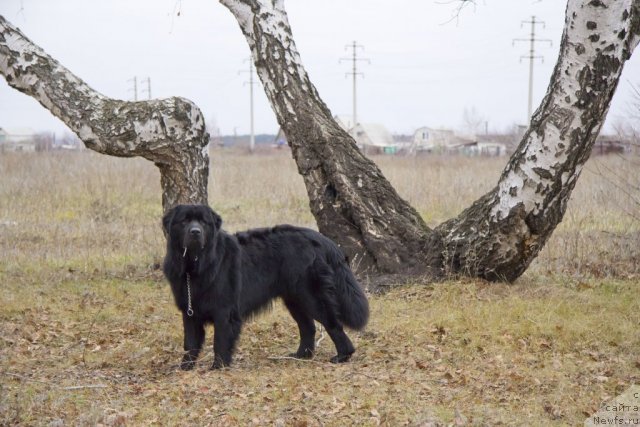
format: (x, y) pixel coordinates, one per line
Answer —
(532, 56)
(251, 82)
(354, 73)
(148, 80)
(135, 87)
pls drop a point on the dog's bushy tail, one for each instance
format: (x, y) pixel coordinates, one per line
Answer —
(352, 304)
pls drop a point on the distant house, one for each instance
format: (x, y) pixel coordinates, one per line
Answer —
(18, 139)
(430, 139)
(609, 144)
(445, 141)
(492, 144)
(374, 138)
(486, 148)
(371, 138)
(439, 141)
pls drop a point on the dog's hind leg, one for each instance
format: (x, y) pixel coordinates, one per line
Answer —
(343, 344)
(227, 326)
(327, 313)
(307, 330)
(327, 317)
(193, 339)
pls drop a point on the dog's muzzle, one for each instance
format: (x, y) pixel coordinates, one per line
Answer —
(194, 236)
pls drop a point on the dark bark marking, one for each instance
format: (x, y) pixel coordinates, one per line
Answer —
(598, 3)
(543, 173)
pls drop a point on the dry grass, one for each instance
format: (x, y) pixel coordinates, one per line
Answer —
(107, 210)
(535, 354)
(83, 304)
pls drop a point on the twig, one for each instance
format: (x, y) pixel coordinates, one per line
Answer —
(294, 358)
(321, 337)
(359, 373)
(455, 15)
(22, 377)
(73, 387)
(84, 349)
(78, 387)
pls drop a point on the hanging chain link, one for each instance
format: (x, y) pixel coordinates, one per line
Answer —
(189, 308)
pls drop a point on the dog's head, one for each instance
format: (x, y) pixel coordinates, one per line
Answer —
(191, 228)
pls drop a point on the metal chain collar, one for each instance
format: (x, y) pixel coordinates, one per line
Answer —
(189, 308)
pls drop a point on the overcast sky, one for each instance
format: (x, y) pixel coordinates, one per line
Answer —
(425, 68)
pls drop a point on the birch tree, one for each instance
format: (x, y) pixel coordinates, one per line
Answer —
(169, 132)
(499, 235)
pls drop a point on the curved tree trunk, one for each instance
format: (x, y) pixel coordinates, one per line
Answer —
(351, 200)
(502, 232)
(170, 132)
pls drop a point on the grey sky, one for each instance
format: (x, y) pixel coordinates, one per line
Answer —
(423, 70)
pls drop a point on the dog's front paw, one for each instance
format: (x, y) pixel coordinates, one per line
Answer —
(219, 364)
(187, 365)
(305, 354)
(340, 358)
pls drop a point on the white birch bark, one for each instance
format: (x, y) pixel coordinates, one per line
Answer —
(495, 238)
(169, 132)
(351, 200)
(501, 233)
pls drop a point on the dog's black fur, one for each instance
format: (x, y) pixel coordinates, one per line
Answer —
(234, 276)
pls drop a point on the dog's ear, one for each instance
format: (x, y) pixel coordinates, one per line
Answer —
(167, 219)
(217, 221)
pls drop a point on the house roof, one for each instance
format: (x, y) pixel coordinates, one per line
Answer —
(437, 130)
(373, 134)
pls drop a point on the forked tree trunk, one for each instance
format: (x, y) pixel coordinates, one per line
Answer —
(496, 238)
(169, 132)
(502, 232)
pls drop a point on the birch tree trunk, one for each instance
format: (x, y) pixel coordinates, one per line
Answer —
(352, 202)
(169, 132)
(503, 231)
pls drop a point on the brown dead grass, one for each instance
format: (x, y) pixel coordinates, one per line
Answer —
(84, 304)
(534, 354)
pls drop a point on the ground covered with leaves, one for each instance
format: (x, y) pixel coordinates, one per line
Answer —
(85, 351)
(89, 334)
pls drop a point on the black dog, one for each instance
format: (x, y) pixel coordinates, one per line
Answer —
(222, 279)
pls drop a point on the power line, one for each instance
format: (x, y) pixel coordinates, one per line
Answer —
(251, 82)
(354, 73)
(532, 56)
(134, 88)
(148, 90)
